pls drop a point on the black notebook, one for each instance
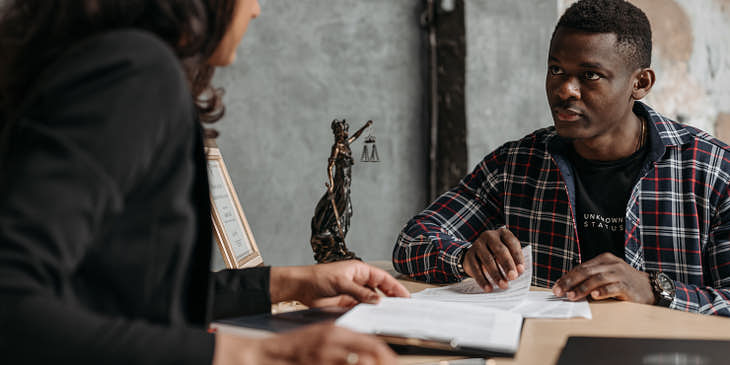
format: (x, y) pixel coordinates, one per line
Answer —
(645, 351)
(284, 321)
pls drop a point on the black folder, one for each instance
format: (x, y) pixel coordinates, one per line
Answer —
(285, 321)
(646, 351)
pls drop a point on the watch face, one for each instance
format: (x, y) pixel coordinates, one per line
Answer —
(665, 283)
(663, 289)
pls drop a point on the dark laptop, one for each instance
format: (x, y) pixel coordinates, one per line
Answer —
(644, 351)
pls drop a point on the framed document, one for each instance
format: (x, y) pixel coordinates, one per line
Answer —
(230, 227)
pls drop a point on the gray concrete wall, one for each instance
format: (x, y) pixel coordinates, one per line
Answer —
(301, 64)
(306, 62)
(507, 46)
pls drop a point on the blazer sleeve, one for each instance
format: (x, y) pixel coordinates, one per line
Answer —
(239, 292)
(88, 138)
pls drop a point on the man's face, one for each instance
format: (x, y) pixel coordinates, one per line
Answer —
(588, 84)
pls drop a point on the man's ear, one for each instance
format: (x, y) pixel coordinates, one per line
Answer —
(643, 81)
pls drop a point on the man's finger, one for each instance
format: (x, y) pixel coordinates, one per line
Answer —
(503, 256)
(592, 283)
(490, 269)
(473, 268)
(490, 265)
(515, 249)
(607, 258)
(611, 290)
(576, 276)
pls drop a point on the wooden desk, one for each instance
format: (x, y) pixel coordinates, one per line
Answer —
(543, 339)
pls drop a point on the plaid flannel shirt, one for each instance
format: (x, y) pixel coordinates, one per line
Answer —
(677, 218)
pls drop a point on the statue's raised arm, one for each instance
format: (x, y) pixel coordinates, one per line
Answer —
(359, 132)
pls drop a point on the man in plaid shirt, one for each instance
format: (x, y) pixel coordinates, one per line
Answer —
(615, 200)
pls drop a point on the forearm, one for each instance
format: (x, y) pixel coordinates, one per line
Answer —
(288, 282)
(428, 256)
(38, 329)
(359, 132)
(711, 294)
(432, 243)
(705, 300)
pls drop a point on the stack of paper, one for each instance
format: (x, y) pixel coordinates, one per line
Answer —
(517, 298)
(463, 315)
(462, 326)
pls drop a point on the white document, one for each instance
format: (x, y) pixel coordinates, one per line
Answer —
(517, 298)
(468, 291)
(461, 325)
(543, 304)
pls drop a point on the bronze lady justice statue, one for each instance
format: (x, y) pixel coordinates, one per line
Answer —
(332, 215)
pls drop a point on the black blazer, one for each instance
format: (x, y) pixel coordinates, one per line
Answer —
(105, 234)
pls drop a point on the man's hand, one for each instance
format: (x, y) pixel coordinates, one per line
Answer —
(605, 276)
(343, 284)
(317, 344)
(491, 251)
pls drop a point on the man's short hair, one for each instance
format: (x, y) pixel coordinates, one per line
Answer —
(622, 18)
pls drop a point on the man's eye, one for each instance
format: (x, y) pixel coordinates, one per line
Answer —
(588, 75)
(555, 70)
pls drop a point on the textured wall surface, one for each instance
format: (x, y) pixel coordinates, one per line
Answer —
(507, 45)
(306, 62)
(692, 59)
(301, 64)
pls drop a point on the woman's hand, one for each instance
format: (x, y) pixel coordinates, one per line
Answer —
(317, 344)
(343, 283)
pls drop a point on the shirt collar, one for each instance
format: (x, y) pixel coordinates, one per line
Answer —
(663, 133)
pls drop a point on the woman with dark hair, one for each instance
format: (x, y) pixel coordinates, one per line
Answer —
(105, 230)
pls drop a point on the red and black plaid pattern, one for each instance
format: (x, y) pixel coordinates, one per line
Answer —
(677, 218)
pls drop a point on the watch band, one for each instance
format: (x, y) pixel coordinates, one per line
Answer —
(663, 287)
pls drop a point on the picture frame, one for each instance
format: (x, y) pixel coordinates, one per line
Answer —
(231, 231)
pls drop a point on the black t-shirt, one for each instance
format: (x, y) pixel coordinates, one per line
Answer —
(602, 190)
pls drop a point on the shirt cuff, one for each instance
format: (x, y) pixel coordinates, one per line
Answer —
(240, 292)
(453, 259)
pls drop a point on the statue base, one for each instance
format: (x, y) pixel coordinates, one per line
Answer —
(327, 249)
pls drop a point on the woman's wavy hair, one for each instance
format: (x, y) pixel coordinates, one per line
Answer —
(34, 32)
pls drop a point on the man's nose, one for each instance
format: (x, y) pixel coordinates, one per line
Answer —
(568, 88)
